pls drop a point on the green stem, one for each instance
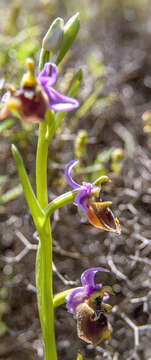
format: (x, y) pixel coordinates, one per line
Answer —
(45, 291)
(44, 255)
(60, 201)
(41, 166)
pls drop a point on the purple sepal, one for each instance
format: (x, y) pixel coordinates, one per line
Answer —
(88, 187)
(74, 298)
(87, 278)
(81, 199)
(68, 176)
(89, 289)
(57, 102)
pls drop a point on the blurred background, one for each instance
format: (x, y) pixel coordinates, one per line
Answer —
(108, 135)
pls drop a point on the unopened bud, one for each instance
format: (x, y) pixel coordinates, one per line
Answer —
(53, 38)
(116, 157)
(147, 129)
(70, 31)
(117, 154)
(146, 117)
(81, 144)
(79, 357)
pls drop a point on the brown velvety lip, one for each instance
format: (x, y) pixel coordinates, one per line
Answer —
(101, 216)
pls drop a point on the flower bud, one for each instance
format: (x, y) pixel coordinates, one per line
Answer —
(117, 154)
(70, 31)
(81, 144)
(146, 117)
(79, 357)
(116, 157)
(53, 38)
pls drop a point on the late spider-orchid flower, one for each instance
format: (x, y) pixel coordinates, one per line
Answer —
(89, 304)
(78, 295)
(36, 95)
(87, 200)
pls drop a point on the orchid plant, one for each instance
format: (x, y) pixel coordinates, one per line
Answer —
(37, 101)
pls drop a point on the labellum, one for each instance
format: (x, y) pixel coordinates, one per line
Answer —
(32, 104)
(93, 325)
(100, 216)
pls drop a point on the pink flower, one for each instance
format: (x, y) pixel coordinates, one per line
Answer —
(36, 96)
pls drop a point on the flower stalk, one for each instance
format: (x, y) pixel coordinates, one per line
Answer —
(45, 291)
(44, 255)
(60, 201)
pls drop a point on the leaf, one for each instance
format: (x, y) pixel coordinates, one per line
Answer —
(3, 179)
(11, 194)
(75, 84)
(6, 124)
(3, 328)
(36, 211)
